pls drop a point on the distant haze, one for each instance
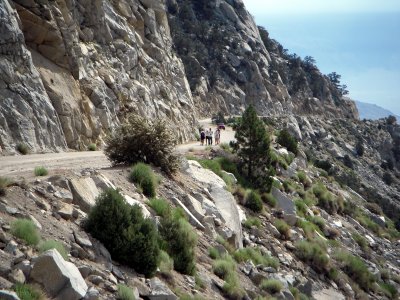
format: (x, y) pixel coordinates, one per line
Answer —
(358, 39)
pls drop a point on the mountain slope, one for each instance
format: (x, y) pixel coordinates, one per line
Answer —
(373, 111)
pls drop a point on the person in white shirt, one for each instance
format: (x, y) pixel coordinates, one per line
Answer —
(210, 140)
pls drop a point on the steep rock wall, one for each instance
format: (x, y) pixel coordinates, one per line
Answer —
(90, 63)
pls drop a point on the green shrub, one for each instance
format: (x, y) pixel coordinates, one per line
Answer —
(268, 199)
(308, 228)
(252, 221)
(224, 267)
(389, 290)
(213, 253)
(272, 286)
(92, 147)
(320, 222)
(356, 269)
(326, 199)
(360, 240)
(160, 206)
(140, 139)
(286, 140)
(297, 295)
(22, 148)
(179, 240)
(144, 176)
(255, 255)
(283, 228)
(232, 288)
(4, 183)
(25, 230)
(301, 207)
(254, 202)
(52, 244)
(166, 263)
(29, 292)
(324, 165)
(313, 254)
(125, 292)
(122, 229)
(41, 171)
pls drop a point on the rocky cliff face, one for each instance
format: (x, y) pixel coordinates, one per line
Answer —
(72, 69)
(230, 62)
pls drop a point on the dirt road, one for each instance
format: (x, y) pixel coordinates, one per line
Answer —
(23, 165)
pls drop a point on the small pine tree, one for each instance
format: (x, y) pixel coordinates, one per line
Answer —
(253, 148)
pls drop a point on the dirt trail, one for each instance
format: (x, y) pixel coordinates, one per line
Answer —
(23, 165)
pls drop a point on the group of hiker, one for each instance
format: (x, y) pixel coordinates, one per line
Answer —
(207, 136)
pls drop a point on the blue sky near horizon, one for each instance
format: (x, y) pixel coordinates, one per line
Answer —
(358, 39)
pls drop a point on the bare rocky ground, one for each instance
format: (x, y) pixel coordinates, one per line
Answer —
(59, 202)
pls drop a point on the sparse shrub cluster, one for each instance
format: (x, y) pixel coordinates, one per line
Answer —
(268, 199)
(374, 208)
(283, 228)
(52, 244)
(252, 221)
(129, 237)
(92, 147)
(254, 202)
(144, 176)
(225, 268)
(327, 200)
(288, 141)
(356, 269)
(41, 171)
(25, 230)
(255, 255)
(160, 206)
(272, 286)
(360, 240)
(22, 148)
(29, 292)
(4, 183)
(314, 254)
(141, 140)
(125, 292)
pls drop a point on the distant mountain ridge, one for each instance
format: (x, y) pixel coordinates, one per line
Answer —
(373, 111)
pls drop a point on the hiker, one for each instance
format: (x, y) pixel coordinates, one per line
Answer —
(207, 137)
(217, 136)
(202, 137)
(211, 136)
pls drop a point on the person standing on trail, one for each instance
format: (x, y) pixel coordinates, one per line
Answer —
(211, 137)
(202, 137)
(217, 136)
(207, 137)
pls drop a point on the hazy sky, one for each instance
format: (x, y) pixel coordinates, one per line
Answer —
(359, 39)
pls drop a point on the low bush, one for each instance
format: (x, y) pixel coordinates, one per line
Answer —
(297, 295)
(40, 171)
(283, 228)
(4, 183)
(52, 244)
(252, 221)
(166, 263)
(327, 200)
(224, 267)
(160, 206)
(125, 292)
(122, 229)
(144, 176)
(287, 140)
(255, 255)
(179, 241)
(374, 208)
(232, 288)
(268, 199)
(26, 230)
(288, 186)
(356, 269)
(22, 148)
(272, 286)
(389, 290)
(92, 147)
(29, 292)
(213, 253)
(140, 139)
(301, 207)
(313, 254)
(360, 240)
(254, 202)
(320, 222)
(324, 165)
(308, 228)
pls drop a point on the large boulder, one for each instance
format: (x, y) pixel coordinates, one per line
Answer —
(287, 205)
(85, 191)
(60, 278)
(159, 291)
